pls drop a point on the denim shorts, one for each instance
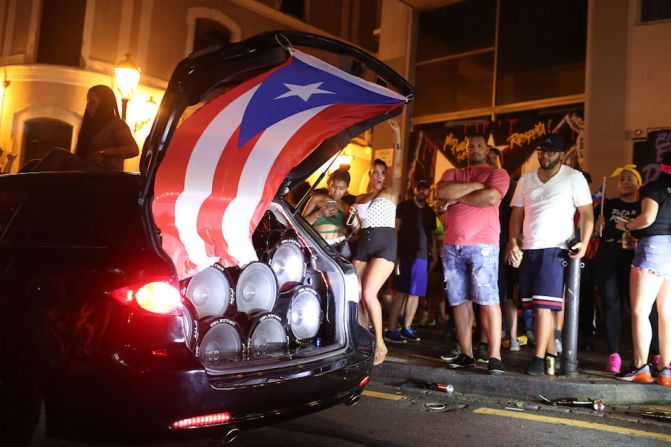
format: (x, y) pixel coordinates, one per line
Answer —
(653, 253)
(471, 273)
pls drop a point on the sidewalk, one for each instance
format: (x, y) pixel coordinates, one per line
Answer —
(421, 360)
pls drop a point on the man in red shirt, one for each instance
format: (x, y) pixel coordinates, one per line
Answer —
(471, 249)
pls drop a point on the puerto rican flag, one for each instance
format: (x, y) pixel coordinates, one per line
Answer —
(226, 161)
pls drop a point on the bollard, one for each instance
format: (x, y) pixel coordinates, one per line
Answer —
(570, 353)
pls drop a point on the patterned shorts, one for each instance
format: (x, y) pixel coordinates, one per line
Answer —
(471, 273)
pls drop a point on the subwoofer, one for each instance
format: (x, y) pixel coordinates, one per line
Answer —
(211, 291)
(257, 289)
(222, 341)
(267, 336)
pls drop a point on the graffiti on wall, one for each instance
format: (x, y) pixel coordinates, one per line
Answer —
(515, 135)
(649, 153)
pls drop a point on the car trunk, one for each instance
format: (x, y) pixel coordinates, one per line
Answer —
(240, 126)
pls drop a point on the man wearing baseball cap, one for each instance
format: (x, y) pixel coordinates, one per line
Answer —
(541, 224)
(415, 224)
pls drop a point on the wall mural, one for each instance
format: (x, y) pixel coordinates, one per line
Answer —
(514, 134)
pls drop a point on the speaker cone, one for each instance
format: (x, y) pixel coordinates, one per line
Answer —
(288, 263)
(267, 336)
(210, 292)
(304, 314)
(257, 289)
(222, 341)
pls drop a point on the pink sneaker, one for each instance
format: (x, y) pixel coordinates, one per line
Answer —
(614, 363)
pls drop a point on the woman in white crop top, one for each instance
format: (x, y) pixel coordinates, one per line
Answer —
(375, 252)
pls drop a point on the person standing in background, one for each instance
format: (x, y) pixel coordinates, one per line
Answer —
(470, 251)
(543, 207)
(415, 224)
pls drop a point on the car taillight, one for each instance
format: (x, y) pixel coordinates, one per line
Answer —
(203, 421)
(157, 297)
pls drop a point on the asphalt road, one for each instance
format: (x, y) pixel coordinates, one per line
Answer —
(390, 415)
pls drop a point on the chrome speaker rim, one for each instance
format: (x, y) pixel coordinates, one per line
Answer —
(257, 289)
(268, 336)
(288, 262)
(222, 341)
(304, 313)
(210, 292)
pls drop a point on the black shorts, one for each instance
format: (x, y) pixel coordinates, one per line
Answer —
(377, 242)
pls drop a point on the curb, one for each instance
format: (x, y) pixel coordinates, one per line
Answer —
(523, 387)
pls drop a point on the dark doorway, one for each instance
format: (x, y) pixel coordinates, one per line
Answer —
(42, 134)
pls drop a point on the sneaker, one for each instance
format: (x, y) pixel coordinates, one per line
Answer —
(536, 367)
(656, 360)
(514, 345)
(463, 361)
(614, 364)
(640, 375)
(393, 336)
(531, 340)
(483, 353)
(452, 355)
(409, 334)
(664, 377)
(494, 366)
(523, 340)
(427, 322)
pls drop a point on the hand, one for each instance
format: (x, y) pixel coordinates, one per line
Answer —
(514, 254)
(619, 223)
(329, 211)
(97, 157)
(577, 250)
(600, 225)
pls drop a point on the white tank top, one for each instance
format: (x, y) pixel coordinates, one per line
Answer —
(381, 213)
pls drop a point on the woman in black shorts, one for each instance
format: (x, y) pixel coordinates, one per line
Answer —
(375, 252)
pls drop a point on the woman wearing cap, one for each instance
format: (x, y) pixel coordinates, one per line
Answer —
(650, 276)
(614, 257)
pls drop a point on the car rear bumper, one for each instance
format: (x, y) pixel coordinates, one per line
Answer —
(130, 404)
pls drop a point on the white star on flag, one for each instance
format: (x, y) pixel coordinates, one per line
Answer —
(304, 91)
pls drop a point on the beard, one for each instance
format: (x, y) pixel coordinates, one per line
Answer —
(548, 166)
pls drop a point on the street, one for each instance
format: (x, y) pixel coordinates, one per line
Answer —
(393, 414)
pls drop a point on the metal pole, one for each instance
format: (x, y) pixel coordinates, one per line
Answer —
(570, 353)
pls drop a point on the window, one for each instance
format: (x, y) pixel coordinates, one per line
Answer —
(454, 29)
(42, 134)
(60, 35)
(455, 84)
(542, 50)
(210, 33)
(653, 10)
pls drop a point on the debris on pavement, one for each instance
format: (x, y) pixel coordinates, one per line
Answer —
(583, 402)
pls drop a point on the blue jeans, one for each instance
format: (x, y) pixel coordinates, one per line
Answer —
(471, 273)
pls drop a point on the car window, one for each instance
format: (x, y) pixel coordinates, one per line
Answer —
(75, 219)
(10, 203)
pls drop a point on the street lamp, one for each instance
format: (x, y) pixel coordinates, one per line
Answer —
(127, 78)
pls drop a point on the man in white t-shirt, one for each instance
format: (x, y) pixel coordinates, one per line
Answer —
(543, 210)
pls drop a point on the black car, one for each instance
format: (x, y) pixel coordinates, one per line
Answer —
(103, 339)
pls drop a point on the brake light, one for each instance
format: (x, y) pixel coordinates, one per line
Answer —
(203, 421)
(156, 297)
(364, 382)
